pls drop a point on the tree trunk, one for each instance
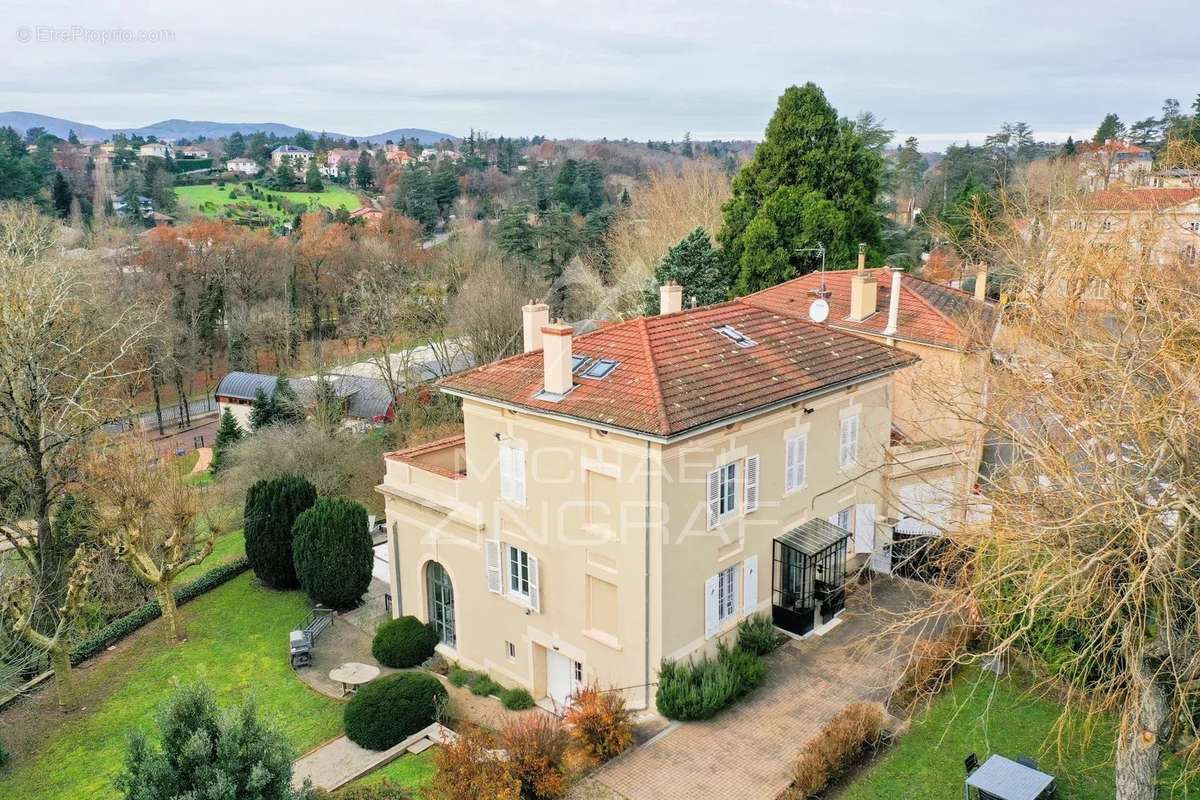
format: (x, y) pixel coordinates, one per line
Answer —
(166, 600)
(64, 677)
(1139, 746)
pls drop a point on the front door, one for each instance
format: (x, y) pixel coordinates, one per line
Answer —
(561, 673)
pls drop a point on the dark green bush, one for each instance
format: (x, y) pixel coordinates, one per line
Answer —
(484, 686)
(389, 709)
(757, 635)
(272, 506)
(699, 689)
(332, 552)
(118, 629)
(403, 642)
(4, 756)
(517, 699)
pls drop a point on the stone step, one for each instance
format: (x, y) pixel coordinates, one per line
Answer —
(420, 746)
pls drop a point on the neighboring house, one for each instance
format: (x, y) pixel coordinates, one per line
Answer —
(937, 430)
(1115, 161)
(631, 494)
(397, 155)
(298, 156)
(1163, 224)
(191, 151)
(155, 150)
(368, 402)
(433, 154)
(1178, 178)
(243, 166)
(368, 214)
(334, 159)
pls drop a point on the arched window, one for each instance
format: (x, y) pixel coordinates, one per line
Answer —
(440, 592)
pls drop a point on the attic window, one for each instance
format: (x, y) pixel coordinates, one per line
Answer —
(577, 362)
(600, 368)
(734, 335)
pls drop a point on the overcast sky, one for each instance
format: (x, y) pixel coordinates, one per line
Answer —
(938, 70)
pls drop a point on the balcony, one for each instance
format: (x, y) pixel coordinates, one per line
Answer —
(432, 475)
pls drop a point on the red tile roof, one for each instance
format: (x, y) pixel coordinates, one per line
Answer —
(1143, 199)
(677, 373)
(930, 313)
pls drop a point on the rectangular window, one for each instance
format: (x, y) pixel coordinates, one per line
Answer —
(844, 519)
(518, 572)
(727, 504)
(848, 449)
(726, 595)
(578, 674)
(796, 466)
(510, 650)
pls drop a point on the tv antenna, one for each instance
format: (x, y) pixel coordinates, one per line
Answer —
(819, 310)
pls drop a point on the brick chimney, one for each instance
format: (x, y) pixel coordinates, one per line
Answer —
(556, 358)
(534, 315)
(894, 303)
(981, 283)
(670, 298)
(863, 292)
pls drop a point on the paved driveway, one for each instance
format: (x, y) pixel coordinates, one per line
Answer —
(746, 752)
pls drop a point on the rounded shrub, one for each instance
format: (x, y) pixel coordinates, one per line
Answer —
(332, 551)
(403, 642)
(516, 699)
(389, 709)
(272, 506)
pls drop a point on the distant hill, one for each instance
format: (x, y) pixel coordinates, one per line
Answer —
(190, 129)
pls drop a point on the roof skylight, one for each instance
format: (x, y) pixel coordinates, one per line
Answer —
(600, 369)
(577, 362)
(734, 335)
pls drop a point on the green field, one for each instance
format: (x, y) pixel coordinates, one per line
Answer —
(237, 643)
(213, 201)
(982, 715)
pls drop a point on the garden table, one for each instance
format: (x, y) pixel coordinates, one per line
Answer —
(353, 675)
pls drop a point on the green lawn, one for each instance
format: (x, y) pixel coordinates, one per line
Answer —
(410, 771)
(229, 547)
(211, 200)
(984, 716)
(237, 643)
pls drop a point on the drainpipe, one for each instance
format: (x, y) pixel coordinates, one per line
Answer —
(646, 679)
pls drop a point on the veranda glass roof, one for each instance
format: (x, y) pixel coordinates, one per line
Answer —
(813, 536)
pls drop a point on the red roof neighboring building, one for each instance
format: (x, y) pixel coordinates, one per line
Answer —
(1120, 198)
(676, 372)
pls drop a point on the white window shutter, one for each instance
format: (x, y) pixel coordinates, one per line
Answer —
(711, 613)
(714, 498)
(848, 451)
(506, 482)
(535, 593)
(751, 483)
(864, 528)
(789, 465)
(750, 584)
(518, 473)
(801, 460)
(495, 580)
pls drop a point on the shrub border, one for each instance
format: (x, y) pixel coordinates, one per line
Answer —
(118, 629)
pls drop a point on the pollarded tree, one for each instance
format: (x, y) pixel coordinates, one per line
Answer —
(811, 181)
(696, 266)
(333, 552)
(149, 519)
(272, 506)
(204, 752)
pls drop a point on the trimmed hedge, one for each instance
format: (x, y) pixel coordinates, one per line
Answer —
(272, 506)
(403, 642)
(389, 709)
(118, 629)
(333, 552)
(699, 689)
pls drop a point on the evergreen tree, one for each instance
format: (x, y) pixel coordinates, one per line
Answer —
(72, 138)
(262, 410)
(206, 753)
(303, 139)
(287, 406)
(285, 176)
(364, 176)
(272, 506)
(626, 200)
(1068, 149)
(332, 551)
(312, 177)
(445, 188)
(1111, 127)
(60, 195)
(695, 265)
(687, 149)
(811, 181)
(515, 237)
(229, 433)
(416, 200)
(235, 145)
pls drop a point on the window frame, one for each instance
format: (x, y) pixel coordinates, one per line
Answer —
(726, 595)
(795, 473)
(518, 573)
(727, 481)
(847, 449)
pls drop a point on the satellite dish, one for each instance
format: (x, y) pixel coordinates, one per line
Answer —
(819, 310)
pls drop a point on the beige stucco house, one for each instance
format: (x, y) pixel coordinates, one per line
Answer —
(630, 494)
